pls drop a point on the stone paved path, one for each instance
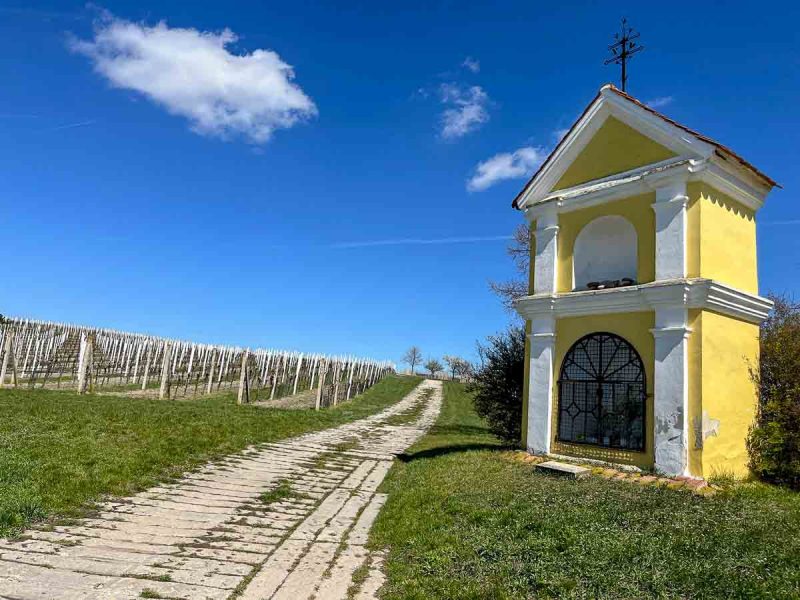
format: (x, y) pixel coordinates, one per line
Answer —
(216, 534)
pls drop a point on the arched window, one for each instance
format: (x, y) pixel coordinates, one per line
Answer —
(601, 393)
(605, 249)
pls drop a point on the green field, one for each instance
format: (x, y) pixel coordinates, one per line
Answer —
(60, 451)
(463, 520)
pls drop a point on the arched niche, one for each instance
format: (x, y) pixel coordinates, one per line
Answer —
(606, 248)
(602, 393)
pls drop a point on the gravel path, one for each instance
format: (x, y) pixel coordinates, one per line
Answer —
(287, 520)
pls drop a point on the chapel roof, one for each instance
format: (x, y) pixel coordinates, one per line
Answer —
(721, 150)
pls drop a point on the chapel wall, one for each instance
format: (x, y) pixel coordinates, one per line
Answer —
(721, 239)
(730, 347)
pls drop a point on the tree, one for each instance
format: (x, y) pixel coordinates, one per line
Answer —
(413, 357)
(433, 366)
(520, 252)
(497, 384)
(452, 364)
(457, 366)
(774, 439)
(465, 369)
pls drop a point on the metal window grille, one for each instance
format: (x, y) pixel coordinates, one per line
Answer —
(602, 394)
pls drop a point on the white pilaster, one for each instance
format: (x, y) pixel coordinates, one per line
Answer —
(545, 266)
(670, 209)
(671, 387)
(540, 385)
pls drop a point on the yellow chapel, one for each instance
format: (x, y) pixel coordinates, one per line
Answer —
(643, 311)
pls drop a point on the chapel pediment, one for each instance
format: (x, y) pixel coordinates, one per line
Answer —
(618, 136)
(614, 148)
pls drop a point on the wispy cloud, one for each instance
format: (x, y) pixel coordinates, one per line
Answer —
(72, 125)
(420, 241)
(506, 165)
(471, 64)
(192, 74)
(659, 102)
(559, 134)
(466, 109)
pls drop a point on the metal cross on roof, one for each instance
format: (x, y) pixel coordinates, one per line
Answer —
(623, 49)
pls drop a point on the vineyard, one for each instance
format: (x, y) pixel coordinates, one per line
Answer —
(39, 354)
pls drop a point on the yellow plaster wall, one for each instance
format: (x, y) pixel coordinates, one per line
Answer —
(721, 239)
(637, 209)
(729, 347)
(635, 328)
(614, 148)
(695, 372)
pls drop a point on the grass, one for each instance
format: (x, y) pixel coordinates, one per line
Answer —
(464, 521)
(280, 492)
(59, 451)
(412, 414)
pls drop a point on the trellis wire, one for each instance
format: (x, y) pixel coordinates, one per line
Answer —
(57, 355)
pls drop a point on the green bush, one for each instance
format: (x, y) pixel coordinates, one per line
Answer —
(774, 440)
(498, 381)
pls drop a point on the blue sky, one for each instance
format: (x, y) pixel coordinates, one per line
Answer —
(154, 196)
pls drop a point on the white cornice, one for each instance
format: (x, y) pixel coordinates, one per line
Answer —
(680, 293)
(647, 179)
(729, 183)
(616, 187)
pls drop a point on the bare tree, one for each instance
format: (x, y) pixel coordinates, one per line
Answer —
(413, 357)
(465, 368)
(452, 364)
(433, 366)
(519, 249)
(457, 366)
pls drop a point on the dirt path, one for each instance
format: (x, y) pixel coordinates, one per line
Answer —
(287, 520)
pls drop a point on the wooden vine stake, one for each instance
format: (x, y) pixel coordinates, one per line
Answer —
(211, 371)
(323, 369)
(8, 353)
(297, 375)
(244, 392)
(146, 369)
(85, 359)
(163, 391)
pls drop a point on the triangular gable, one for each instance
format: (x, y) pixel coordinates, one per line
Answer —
(614, 148)
(664, 136)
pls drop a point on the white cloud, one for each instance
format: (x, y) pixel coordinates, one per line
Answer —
(472, 64)
(191, 73)
(659, 102)
(506, 165)
(466, 109)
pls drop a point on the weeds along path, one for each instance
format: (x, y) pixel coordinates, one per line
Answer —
(281, 520)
